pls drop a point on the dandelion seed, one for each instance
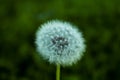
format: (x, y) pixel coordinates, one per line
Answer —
(60, 42)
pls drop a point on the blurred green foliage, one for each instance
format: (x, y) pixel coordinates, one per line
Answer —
(99, 20)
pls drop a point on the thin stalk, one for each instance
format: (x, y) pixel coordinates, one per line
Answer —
(58, 72)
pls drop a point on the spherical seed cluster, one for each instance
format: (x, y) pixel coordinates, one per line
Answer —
(60, 42)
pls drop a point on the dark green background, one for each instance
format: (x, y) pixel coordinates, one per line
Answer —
(99, 20)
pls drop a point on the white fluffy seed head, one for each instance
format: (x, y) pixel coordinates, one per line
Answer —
(60, 42)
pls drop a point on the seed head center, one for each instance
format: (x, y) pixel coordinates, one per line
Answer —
(60, 44)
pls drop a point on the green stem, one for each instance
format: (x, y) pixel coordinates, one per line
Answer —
(58, 72)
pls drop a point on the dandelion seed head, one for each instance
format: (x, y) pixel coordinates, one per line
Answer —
(60, 42)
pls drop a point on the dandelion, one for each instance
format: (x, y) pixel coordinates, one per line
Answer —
(60, 43)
